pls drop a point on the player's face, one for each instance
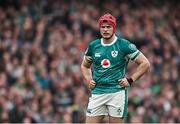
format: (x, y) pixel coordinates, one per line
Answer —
(106, 30)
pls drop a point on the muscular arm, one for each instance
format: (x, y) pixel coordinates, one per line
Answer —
(143, 67)
(86, 68)
(86, 71)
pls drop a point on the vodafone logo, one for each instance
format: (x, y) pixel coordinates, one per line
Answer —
(105, 63)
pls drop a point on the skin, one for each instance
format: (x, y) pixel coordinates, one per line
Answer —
(106, 31)
(143, 65)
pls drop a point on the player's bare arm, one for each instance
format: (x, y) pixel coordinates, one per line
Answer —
(143, 67)
(86, 71)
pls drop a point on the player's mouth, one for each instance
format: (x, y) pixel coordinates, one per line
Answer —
(105, 34)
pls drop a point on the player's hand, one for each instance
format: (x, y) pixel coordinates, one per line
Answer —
(124, 82)
(91, 84)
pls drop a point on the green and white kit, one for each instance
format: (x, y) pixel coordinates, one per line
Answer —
(109, 65)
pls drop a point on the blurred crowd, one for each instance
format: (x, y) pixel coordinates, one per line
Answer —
(42, 43)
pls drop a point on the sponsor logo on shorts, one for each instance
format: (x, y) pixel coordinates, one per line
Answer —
(119, 111)
(89, 111)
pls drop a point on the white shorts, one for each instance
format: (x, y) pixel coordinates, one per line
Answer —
(113, 104)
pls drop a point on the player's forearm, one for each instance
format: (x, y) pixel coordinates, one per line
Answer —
(87, 73)
(141, 70)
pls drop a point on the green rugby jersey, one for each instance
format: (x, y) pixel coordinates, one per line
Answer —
(110, 63)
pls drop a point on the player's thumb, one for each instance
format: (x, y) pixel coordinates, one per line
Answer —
(93, 82)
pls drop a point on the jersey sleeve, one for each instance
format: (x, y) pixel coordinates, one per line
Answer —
(88, 52)
(130, 50)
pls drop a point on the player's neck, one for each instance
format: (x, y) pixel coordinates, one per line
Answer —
(110, 40)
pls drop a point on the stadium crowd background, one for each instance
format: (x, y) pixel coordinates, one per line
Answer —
(42, 43)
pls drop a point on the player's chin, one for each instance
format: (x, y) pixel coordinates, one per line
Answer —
(106, 36)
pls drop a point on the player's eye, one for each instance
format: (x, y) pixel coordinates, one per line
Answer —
(103, 26)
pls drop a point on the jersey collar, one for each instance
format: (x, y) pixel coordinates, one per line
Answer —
(102, 43)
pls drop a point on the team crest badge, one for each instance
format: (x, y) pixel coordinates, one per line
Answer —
(132, 46)
(114, 53)
(105, 63)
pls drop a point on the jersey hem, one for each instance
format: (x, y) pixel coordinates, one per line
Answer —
(108, 91)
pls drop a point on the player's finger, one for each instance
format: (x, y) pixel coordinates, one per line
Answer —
(126, 84)
(121, 84)
(92, 84)
(120, 81)
(93, 81)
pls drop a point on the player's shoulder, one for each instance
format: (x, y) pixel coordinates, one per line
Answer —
(123, 40)
(126, 44)
(95, 42)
